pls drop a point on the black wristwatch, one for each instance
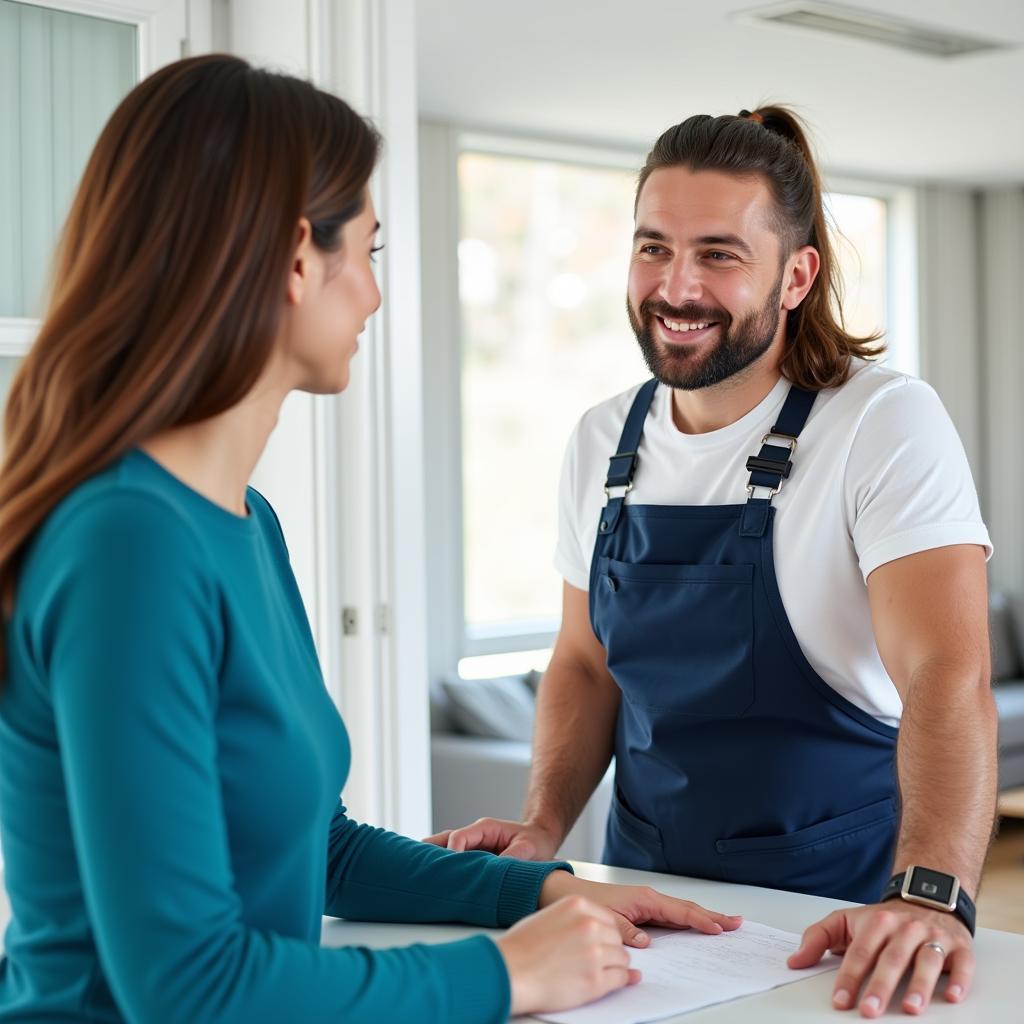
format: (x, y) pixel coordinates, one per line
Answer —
(932, 889)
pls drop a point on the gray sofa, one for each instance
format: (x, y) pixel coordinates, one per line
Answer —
(480, 759)
(1006, 622)
(480, 750)
(478, 778)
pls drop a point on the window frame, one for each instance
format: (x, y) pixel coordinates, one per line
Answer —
(452, 637)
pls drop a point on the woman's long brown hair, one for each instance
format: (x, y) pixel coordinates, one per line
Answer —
(772, 143)
(169, 280)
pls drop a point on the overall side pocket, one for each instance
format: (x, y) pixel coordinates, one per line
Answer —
(631, 842)
(846, 857)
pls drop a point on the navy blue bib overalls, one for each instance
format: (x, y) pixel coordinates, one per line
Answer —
(734, 759)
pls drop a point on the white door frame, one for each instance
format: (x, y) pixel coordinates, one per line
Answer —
(376, 439)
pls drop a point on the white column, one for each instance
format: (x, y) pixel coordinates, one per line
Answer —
(442, 369)
(950, 310)
(274, 34)
(384, 691)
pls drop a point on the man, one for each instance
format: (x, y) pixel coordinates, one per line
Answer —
(775, 598)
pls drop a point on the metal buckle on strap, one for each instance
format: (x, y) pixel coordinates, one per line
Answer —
(785, 437)
(782, 468)
(626, 489)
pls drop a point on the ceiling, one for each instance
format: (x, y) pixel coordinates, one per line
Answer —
(619, 73)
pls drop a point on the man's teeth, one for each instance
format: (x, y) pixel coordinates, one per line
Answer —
(685, 325)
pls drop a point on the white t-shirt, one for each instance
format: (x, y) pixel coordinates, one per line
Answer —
(879, 473)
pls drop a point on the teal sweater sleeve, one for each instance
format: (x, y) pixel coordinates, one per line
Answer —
(374, 875)
(129, 639)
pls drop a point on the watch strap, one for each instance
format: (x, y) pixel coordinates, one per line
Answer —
(964, 909)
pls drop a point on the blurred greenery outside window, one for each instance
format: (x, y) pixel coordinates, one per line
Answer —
(543, 257)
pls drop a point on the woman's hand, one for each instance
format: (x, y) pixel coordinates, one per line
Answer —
(565, 955)
(634, 905)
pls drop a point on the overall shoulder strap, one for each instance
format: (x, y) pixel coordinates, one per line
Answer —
(773, 463)
(622, 465)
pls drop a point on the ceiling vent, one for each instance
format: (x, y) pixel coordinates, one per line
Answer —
(872, 27)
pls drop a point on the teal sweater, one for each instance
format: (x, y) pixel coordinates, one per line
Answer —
(170, 771)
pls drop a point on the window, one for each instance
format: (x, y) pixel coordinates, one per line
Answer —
(875, 234)
(64, 66)
(543, 256)
(860, 233)
(543, 252)
(62, 76)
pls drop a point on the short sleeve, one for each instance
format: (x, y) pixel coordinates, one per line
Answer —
(572, 560)
(908, 485)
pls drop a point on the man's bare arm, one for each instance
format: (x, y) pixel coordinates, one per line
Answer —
(574, 734)
(930, 617)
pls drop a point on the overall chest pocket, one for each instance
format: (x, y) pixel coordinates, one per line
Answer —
(679, 638)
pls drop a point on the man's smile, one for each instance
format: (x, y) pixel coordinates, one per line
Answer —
(685, 332)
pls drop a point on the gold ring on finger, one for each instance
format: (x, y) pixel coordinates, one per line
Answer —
(938, 949)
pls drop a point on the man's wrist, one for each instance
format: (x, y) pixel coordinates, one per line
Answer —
(546, 822)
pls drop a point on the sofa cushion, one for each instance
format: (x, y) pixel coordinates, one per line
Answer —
(500, 708)
(1010, 704)
(1006, 662)
(1015, 604)
(532, 680)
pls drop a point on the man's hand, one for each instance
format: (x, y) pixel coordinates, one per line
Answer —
(635, 905)
(521, 839)
(882, 942)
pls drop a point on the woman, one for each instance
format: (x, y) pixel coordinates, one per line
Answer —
(170, 761)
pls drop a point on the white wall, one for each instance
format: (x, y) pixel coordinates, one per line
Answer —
(972, 312)
(949, 250)
(1002, 384)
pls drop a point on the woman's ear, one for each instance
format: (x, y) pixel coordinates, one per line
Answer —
(298, 274)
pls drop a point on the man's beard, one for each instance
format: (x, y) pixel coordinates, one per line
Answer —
(738, 345)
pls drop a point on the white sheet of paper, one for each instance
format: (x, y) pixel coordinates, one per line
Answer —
(684, 971)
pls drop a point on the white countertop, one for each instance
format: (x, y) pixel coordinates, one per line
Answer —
(997, 995)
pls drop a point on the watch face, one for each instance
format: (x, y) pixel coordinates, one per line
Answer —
(931, 885)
